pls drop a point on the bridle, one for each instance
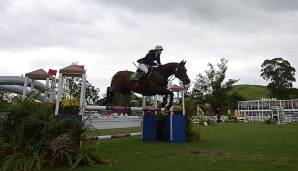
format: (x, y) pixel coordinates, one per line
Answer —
(171, 76)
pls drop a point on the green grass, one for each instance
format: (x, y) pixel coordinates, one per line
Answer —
(228, 146)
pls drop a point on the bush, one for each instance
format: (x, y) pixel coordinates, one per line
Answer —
(160, 123)
(270, 121)
(37, 139)
(233, 119)
(273, 121)
(267, 121)
(210, 122)
(70, 106)
(28, 140)
(177, 109)
(192, 135)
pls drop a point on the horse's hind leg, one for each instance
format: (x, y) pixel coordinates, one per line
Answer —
(109, 97)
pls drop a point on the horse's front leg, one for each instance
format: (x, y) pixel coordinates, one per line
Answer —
(171, 100)
(164, 100)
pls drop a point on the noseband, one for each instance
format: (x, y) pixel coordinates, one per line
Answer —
(177, 73)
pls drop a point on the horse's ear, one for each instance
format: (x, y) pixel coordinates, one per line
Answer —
(183, 62)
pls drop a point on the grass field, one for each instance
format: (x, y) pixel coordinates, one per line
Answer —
(228, 146)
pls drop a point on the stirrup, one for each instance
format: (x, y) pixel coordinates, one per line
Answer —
(138, 83)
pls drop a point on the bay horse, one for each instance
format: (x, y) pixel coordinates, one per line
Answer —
(156, 83)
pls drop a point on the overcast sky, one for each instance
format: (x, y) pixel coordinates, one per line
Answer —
(108, 35)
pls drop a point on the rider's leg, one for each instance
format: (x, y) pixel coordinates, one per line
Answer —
(143, 67)
(141, 78)
(143, 75)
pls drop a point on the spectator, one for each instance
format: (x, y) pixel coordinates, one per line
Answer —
(218, 115)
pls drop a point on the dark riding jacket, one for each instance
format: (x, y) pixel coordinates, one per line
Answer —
(149, 59)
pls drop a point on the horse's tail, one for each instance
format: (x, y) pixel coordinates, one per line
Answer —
(107, 100)
(109, 96)
(112, 81)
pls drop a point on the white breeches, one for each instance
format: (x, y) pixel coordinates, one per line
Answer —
(143, 67)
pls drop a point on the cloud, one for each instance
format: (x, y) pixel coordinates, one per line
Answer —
(108, 36)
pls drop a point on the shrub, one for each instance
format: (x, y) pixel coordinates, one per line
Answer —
(177, 109)
(69, 106)
(160, 124)
(210, 122)
(25, 146)
(37, 138)
(267, 121)
(192, 135)
(270, 121)
(273, 121)
(233, 119)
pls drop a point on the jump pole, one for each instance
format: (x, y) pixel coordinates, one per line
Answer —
(113, 136)
(122, 108)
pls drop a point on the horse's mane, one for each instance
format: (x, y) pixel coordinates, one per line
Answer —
(170, 63)
(161, 70)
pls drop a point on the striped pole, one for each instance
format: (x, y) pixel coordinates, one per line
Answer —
(122, 108)
(113, 136)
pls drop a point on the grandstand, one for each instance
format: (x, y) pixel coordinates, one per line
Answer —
(260, 110)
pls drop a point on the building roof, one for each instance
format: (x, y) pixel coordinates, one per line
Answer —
(73, 70)
(176, 88)
(39, 74)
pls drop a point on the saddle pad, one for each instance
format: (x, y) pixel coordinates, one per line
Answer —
(134, 76)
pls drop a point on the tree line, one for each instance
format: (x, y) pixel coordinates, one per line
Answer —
(214, 89)
(211, 89)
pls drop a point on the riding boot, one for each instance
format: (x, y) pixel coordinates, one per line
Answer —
(141, 78)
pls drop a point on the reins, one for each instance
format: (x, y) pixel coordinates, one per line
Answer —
(171, 76)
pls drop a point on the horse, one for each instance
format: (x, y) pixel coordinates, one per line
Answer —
(155, 83)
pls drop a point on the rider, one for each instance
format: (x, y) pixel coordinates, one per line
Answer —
(148, 61)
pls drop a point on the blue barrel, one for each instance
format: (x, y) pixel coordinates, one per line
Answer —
(149, 128)
(178, 123)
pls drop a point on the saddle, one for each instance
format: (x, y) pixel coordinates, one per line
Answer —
(136, 75)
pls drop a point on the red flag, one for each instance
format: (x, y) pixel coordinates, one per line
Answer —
(52, 72)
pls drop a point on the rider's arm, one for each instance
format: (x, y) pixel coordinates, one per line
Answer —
(158, 60)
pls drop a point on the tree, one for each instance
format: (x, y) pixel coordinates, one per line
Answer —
(123, 100)
(280, 74)
(211, 89)
(233, 100)
(72, 89)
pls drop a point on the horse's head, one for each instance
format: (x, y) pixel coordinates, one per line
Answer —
(180, 72)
